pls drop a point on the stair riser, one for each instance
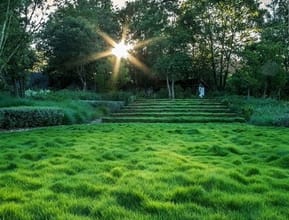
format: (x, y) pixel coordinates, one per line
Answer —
(112, 120)
(174, 115)
(176, 107)
(177, 111)
(175, 100)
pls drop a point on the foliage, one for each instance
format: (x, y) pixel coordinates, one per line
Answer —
(225, 44)
(260, 111)
(27, 117)
(72, 43)
(62, 95)
(74, 110)
(35, 94)
(19, 21)
(220, 30)
(111, 106)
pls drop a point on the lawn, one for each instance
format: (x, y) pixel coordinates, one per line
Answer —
(145, 171)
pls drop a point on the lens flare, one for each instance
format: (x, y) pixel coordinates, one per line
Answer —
(121, 50)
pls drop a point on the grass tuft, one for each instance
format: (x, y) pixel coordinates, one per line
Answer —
(129, 199)
(12, 211)
(283, 162)
(218, 151)
(79, 190)
(194, 194)
(252, 171)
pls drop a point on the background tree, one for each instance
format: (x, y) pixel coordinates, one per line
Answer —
(19, 21)
(220, 30)
(72, 43)
(153, 22)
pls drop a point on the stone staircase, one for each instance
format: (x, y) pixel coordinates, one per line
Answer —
(174, 111)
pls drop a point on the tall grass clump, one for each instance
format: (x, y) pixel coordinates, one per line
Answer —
(73, 109)
(7, 100)
(260, 111)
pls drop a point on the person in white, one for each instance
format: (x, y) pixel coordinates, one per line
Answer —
(201, 91)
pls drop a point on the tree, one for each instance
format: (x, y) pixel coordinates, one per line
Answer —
(19, 21)
(152, 23)
(276, 30)
(220, 30)
(72, 44)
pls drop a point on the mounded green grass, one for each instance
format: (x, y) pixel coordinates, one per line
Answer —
(145, 171)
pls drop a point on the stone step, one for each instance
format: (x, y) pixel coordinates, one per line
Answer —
(174, 100)
(173, 114)
(200, 107)
(178, 110)
(174, 111)
(176, 104)
(172, 119)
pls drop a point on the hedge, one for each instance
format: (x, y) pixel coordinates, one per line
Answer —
(112, 106)
(26, 117)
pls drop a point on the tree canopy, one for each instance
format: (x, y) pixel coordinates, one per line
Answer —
(220, 43)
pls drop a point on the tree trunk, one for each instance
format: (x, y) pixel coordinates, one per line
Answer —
(82, 77)
(213, 63)
(173, 89)
(169, 88)
(248, 93)
(22, 87)
(279, 93)
(15, 91)
(4, 28)
(265, 89)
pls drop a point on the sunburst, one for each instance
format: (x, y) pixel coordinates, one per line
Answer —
(122, 50)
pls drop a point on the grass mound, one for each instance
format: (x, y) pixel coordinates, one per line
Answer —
(145, 171)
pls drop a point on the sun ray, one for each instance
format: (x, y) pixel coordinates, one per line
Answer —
(147, 42)
(124, 33)
(90, 58)
(97, 56)
(138, 63)
(116, 68)
(121, 51)
(107, 38)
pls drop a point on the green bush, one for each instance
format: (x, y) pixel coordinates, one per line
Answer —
(24, 117)
(127, 97)
(70, 95)
(112, 106)
(247, 112)
(7, 101)
(162, 93)
(76, 112)
(260, 111)
(282, 120)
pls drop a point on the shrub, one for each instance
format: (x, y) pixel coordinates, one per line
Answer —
(23, 117)
(7, 101)
(247, 112)
(260, 111)
(162, 93)
(112, 106)
(72, 95)
(127, 97)
(282, 120)
(40, 94)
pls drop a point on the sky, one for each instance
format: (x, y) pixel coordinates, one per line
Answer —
(119, 3)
